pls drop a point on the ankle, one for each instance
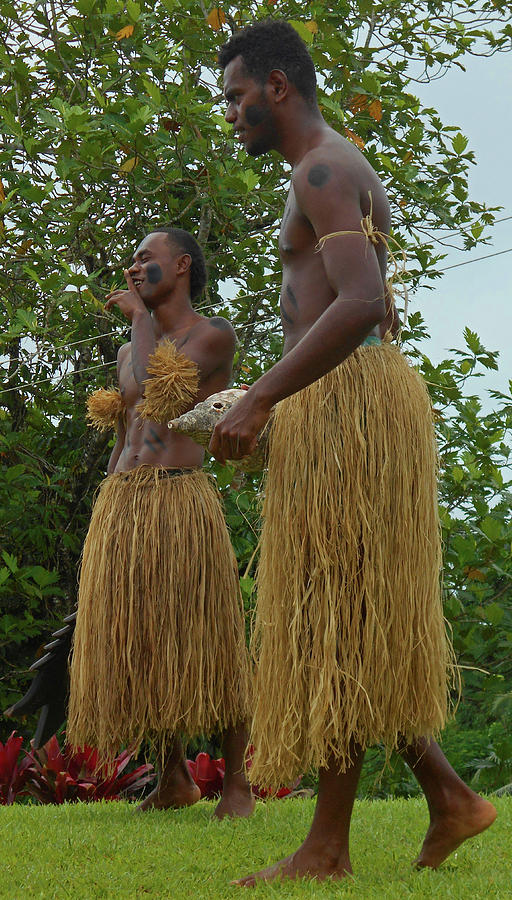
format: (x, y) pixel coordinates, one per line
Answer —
(236, 781)
(333, 850)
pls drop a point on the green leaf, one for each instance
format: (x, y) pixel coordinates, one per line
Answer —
(10, 561)
(247, 586)
(459, 143)
(27, 319)
(133, 10)
(492, 528)
(494, 613)
(225, 475)
(473, 341)
(250, 178)
(42, 576)
(13, 472)
(371, 83)
(85, 6)
(301, 29)
(153, 91)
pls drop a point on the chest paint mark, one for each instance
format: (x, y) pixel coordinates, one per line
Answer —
(291, 296)
(284, 314)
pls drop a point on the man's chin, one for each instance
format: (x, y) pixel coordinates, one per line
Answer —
(257, 149)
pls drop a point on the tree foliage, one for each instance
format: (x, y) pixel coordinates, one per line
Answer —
(112, 123)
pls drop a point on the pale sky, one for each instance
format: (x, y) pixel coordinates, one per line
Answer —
(478, 295)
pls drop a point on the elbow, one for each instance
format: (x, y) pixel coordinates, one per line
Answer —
(375, 312)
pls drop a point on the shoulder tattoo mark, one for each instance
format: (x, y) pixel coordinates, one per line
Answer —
(319, 175)
(220, 323)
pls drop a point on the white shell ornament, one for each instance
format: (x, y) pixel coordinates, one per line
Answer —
(198, 423)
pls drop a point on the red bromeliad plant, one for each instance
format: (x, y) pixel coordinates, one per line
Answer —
(52, 775)
(58, 776)
(209, 773)
(13, 774)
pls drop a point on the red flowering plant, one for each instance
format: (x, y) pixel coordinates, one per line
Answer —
(58, 776)
(209, 773)
(13, 774)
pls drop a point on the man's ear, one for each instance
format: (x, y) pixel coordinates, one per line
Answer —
(278, 85)
(183, 263)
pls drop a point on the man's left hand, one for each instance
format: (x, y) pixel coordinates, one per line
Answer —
(235, 435)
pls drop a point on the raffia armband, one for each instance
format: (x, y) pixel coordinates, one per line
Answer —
(173, 384)
(397, 256)
(104, 408)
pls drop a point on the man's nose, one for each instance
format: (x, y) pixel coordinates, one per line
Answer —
(133, 268)
(230, 115)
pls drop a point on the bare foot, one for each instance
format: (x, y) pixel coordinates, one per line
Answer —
(449, 831)
(304, 863)
(172, 797)
(236, 801)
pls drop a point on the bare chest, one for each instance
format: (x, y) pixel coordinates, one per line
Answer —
(130, 390)
(296, 235)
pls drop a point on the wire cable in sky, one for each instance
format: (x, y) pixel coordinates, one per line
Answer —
(477, 259)
(58, 378)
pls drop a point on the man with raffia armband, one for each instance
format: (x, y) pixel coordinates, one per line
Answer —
(159, 649)
(349, 638)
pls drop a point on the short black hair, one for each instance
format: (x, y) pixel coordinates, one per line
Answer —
(186, 242)
(273, 44)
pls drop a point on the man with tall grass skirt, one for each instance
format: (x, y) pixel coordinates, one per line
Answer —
(350, 640)
(159, 649)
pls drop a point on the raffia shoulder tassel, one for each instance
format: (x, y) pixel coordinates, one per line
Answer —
(104, 407)
(172, 385)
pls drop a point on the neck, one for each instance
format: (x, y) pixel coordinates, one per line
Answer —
(302, 130)
(174, 315)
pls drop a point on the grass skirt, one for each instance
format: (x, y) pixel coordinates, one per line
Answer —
(160, 641)
(349, 638)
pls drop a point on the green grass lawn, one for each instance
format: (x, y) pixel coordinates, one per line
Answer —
(104, 850)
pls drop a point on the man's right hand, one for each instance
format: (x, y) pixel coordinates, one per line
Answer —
(129, 302)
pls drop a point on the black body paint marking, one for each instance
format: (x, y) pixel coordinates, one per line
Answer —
(182, 343)
(319, 175)
(150, 445)
(153, 273)
(292, 297)
(255, 115)
(284, 314)
(220, 323)
(156, 436)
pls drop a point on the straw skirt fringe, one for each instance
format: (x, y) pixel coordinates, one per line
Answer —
(160, 640)
(349, 636)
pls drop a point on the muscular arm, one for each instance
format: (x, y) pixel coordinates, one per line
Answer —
(143, 338)
(121, 433)
(143, 344)
(118, 446)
